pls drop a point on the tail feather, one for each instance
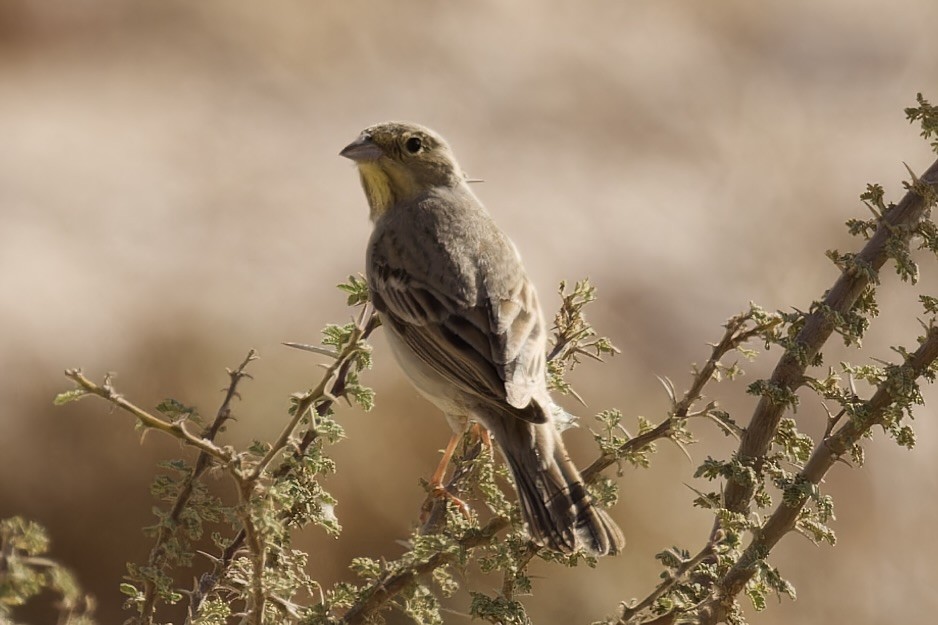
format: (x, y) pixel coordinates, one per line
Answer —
(556, 505)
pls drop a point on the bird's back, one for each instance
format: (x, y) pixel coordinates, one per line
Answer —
(439, 238)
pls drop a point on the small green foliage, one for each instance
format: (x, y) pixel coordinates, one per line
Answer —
(357, 289)
(497, 610)
(852, 325)
(360, 394)
(612, 438)
(300, 494)
(897, 248)
(905, 393)
(859, 228)
(672, 558)
(762, 498)
(767, 580)
(573, 337)
(851, 264)
(795, 446)
(733, 371)
(927, 231)
(213, 612)
(366, 568)
(686, 580)
(484, 472)
(707, 500)
(338, 336)
(259, 449)
(857, 455)
(874, 198)
(26, 572)
(175, 410)
(556, 370)
(712, 468)
(775, 393)
(605, 492)
(445, 581)
(927, 116)
(342, 339)
(419, 603)
(812, 522)
(69, 396)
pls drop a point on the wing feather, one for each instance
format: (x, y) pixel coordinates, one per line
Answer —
(493, 349)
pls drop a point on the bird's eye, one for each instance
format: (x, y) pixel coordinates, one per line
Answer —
(413, 145)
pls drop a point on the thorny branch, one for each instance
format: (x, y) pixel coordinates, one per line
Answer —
(739, 330)
(388, 586)
(326, 392)
(686, 567)
(789, 374)
(177, 428)
(895, 225)
(825, 454)
(323, 396)
(158, 553)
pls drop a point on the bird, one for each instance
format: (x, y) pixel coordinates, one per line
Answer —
(464, 323)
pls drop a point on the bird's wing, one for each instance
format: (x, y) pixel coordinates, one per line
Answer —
(519, 342)
(493, 349)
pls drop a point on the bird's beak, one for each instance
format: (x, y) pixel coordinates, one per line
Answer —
(362, 150)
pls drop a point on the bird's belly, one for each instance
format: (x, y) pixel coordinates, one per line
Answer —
(429, 383)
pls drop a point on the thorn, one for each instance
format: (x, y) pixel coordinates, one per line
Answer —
(915, 179)
(681, 446)
(668, 388)
(723, 426)
(699, 493)
(851, 382)
(312, 348)
(801, 532)
(578, 398)
(873, 210)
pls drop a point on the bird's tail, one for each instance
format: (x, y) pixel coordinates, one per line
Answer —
(557, 508)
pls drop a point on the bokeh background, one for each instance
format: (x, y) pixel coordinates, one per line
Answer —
(171, 196)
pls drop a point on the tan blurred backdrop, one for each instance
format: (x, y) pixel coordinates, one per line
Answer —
(171, 195)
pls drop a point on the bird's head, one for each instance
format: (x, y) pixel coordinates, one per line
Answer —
(398, 161)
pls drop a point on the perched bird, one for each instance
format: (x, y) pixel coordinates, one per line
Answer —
(465, 325)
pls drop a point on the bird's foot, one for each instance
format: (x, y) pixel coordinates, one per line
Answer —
(439, 495)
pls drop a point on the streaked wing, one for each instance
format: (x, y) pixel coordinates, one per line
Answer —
(520, 343)
(494, 349)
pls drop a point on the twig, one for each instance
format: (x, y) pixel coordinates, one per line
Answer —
(393, 583)
(323, 391)
(158, 552)
(257, 550)
(173, 428)
(367, 323)
(736, 334)
(687, 566)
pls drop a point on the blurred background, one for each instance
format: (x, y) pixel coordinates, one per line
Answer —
(171, 196)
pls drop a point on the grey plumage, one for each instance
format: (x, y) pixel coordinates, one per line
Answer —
(465, 324)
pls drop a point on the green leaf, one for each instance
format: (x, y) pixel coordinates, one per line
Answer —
(357, 289)
(69, 396)
(927, 116)
(175, 410)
